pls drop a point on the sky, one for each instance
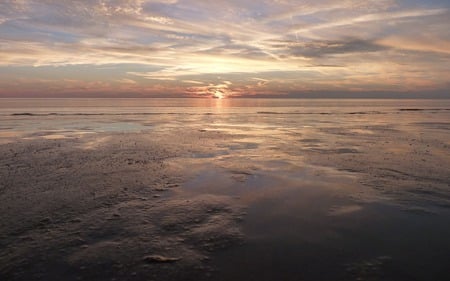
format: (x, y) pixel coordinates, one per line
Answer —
(236, 48)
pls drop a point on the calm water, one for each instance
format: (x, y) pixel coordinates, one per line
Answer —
(173, 105)
(305, 221)
(20, 117)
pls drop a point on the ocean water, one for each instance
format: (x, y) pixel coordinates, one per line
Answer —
(334, 189)
(62, 117)
(190, 105)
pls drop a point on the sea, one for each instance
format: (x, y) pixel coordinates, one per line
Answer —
(62, 117)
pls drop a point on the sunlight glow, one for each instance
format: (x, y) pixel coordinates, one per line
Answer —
(219, 95)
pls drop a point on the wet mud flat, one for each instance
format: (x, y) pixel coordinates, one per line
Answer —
(358, 201)
(101, 207)
(230, 197)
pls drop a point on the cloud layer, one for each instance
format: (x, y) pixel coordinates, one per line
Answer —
(222, 48)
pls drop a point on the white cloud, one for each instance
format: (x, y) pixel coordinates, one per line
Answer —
(160, 20)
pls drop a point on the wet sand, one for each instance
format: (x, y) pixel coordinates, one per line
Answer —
(101, 207)
(261, 196)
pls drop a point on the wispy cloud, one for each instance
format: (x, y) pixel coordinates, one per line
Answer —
(367, 18)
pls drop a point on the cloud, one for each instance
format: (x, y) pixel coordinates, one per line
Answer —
(220, 90)
(419, 43)
(290, 45)
(126, 81)
(384, 18)
(322, 48)
(308, 8)
(160, 20)
(260, 81)
(193, 82)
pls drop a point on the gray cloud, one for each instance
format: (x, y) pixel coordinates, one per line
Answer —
(318, 49)
(241, 50)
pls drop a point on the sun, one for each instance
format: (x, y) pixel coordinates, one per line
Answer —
(218, 95)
